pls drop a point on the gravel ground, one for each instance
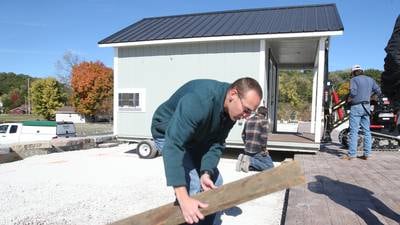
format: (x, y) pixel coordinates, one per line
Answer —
(100, 186)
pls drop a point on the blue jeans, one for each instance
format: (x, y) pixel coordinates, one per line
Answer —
(193, 179)
(260, 161)
(359, 117)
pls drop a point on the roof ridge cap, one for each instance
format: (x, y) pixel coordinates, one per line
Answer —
(241, 10)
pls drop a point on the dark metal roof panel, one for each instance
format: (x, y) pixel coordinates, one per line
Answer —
(194, 26)
(296, 19)
(309, 22)
(234, 29)
(206, 27)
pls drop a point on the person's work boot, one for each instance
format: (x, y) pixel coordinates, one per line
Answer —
(363, 157)
(347, 157)
(239, 162)
(245, 164)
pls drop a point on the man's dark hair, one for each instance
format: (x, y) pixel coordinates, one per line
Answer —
(245, 84)
(357, 72)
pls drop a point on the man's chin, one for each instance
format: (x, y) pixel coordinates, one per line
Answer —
(236, 118)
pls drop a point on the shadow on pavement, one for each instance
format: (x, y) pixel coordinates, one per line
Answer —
(357, 199)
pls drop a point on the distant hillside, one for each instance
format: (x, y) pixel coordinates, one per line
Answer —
(10, 81)
(341, 80)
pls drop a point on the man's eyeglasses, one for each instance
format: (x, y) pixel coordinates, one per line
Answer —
(245, 109)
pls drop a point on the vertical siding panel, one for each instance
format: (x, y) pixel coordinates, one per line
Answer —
(162, 69)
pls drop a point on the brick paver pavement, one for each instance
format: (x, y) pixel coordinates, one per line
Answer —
(346, 192)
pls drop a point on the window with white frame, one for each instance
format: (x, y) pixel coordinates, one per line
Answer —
(131, 100)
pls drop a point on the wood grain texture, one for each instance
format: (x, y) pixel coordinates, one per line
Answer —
(231, 194)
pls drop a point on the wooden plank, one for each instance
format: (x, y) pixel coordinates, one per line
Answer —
(231, 194)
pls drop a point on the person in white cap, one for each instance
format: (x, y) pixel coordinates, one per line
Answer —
(361, 89)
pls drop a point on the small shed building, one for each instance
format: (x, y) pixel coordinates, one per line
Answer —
(22, 109)
(155, 56)
(68, 114)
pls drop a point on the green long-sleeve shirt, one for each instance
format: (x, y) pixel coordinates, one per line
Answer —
(194, 125)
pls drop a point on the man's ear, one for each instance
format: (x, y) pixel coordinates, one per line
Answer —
(232, 92)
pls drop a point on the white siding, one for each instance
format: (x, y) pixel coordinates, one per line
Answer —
(161, 69)
(70, 117)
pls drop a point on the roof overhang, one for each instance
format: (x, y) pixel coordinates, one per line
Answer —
(225, 38)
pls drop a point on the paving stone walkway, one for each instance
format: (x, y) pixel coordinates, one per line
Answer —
(341, 192)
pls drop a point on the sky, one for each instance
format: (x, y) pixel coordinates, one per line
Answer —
(34, 35)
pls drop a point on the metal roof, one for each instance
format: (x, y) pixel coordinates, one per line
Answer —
(294, 19)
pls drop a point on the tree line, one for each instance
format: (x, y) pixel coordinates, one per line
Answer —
(341, 80)
(295, 91)
(13, 90)
(88, 87)
(85, 85)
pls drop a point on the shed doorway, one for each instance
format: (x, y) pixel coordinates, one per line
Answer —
(294, 101)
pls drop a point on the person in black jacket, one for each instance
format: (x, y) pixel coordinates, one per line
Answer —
(390, 78)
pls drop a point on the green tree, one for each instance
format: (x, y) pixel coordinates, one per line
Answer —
(341, 80)
(295, 94)
(295, 90)
(47, 97)
(10, 81)
(375, 74)
(343, 90)
(295, 87)
(7, 104)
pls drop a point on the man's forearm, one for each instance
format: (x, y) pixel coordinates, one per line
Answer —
(181, 193)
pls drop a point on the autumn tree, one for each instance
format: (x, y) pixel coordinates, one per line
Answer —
(13, 99)
(92, 88)
(46, 97)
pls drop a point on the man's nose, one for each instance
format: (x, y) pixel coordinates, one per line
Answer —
(245, 115)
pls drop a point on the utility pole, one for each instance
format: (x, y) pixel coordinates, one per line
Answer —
(29, 101)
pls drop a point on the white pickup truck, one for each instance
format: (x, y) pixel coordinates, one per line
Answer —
(28, 131)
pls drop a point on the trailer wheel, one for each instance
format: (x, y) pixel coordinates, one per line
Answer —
(146, 150)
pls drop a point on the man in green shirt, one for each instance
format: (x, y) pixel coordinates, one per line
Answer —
(190, 129)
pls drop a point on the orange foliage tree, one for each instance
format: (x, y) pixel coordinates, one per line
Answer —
(92, 88)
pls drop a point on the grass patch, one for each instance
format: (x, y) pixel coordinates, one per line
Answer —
(82, 129)
(89, 129)
(10, 118)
